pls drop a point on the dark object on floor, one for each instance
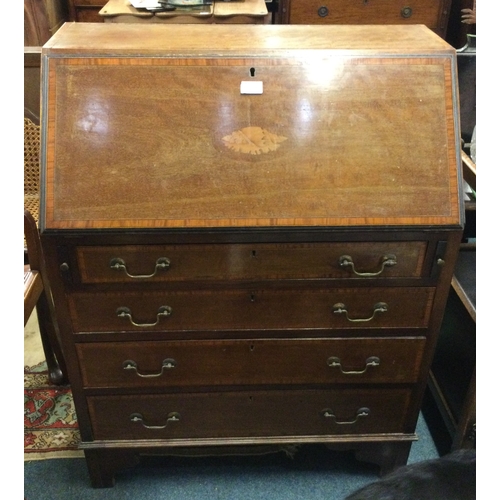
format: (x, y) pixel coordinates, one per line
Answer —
(452, 477)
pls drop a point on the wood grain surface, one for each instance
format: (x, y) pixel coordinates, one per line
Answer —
(337, 137)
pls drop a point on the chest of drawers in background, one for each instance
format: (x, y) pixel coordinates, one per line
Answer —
(85, 11)
(249, 245)
(432, 13)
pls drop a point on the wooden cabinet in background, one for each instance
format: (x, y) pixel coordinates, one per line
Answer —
(86, 11)
(42, 18)
(32, 56)
(432, 13)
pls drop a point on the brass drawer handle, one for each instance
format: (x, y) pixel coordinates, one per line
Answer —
(361, 413)
(125, 312)
(119, 265)
(387, 261)
(334, 362)
(167, 364)
(380, 307)
(171, 417)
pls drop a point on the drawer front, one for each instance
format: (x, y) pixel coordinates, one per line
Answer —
(426, 12)
(344, 308)
(89, 3)
(177, 263)
(245, 362)
(89, 15)
(249, 414)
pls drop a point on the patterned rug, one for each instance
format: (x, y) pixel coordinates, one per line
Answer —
(50, 425)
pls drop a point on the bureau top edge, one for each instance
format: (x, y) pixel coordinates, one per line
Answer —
(156, 40)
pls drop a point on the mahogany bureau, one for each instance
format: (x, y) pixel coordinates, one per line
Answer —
(250, 232)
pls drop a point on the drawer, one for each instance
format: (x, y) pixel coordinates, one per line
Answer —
(245, 362)
(88, 15)
(86, 10)
(135, 263)
(249, 414)
(342, 308)
(89, 3)
(428, 12)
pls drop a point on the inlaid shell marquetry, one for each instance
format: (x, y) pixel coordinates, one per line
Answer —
(253, 141)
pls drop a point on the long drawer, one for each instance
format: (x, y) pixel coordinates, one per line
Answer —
(249, 413)
(343, 308)
(244, 362)
(428, 12)
(146, 263)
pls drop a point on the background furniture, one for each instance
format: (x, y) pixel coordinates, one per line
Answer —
(31, 164)
(220, 12)
(262, 245)
(452, 382)
(32, 132)
(37, 295)
(442, 16)
(432, 13)
(32, 57)
(450, 405)
(42, 18)
(85, 10)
